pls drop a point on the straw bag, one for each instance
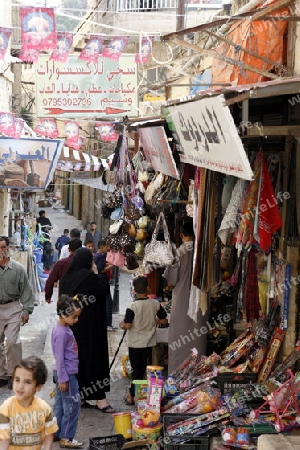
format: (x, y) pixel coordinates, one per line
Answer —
(157, 252)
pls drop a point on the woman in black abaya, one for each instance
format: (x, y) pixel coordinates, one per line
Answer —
(90, 331)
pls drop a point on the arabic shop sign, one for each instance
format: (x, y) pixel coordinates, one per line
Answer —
(80, 88)
(208, 137)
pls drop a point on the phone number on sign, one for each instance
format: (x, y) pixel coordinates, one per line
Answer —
(78, 101)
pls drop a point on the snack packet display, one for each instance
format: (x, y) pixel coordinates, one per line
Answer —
(155, 385)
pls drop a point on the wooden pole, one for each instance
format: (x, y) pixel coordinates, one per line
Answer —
(180, 15)
(215, 54)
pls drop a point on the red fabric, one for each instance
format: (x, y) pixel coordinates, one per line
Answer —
(269, 220)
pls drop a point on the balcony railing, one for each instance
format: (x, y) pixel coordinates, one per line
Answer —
(154, 5)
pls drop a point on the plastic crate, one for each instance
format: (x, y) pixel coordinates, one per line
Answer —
(194, 443)
(183, 442)
(230, 382)
(114, 442)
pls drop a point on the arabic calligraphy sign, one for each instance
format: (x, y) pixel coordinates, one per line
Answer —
(78, 88)
(208, 136)
(28, 163)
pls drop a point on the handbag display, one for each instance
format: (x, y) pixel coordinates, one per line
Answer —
(115, 258)
(131, 261)
(157, 252)
(153, 187)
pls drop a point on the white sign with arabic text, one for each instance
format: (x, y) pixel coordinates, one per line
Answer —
(208, 136)
(82, 89)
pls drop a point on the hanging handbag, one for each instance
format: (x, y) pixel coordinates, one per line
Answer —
(157, 252)
(153, 187)
(131, 261)
(131, 212)
(115, 258)
(117, 214)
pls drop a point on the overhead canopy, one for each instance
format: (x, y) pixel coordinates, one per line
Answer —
(95, 183)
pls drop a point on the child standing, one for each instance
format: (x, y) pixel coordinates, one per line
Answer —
(64, 347)
(26, 420)
(140, 321)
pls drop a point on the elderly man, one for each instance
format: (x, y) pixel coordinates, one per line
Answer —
(16, 304)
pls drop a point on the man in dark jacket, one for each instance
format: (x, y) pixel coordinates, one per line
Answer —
(94, 235)
(60, 268)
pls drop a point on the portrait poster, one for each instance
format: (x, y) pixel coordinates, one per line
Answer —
(115, 48)
(8, 124)
(143, 55)
(47, 128)
(157, 150)
(38, 29)
(92, 49)
(5, 34)
(28, 163)
(64, 42)
(106, 131)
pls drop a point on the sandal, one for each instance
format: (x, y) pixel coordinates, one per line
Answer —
(106, 410)
(86, 405)
(128, 402)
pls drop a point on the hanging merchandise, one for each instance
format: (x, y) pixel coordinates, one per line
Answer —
(131, 212)
(131, 261)
(260, 214)
(153, 187)
(251, 287)
(292, 233)
(116, 258)
(159, 253)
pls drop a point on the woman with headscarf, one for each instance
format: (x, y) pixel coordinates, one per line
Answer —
(90, 331)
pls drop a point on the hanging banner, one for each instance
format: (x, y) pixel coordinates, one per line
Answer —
(92, 49)
(85, 89)
(208, 137)
(143, 56)
(115, 48)
(28, 163)
(5, 34)
(47, 128)
(38, 29)
(157, 150)
(64, 43)
(106, 131)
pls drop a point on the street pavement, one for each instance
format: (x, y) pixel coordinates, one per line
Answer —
(36, 334)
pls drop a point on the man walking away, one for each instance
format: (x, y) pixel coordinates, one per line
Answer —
(94, 235)
(16, 304)
(59, 269)
(74, 233)
(62, 240)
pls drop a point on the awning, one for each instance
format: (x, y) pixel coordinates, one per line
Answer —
(95, 183)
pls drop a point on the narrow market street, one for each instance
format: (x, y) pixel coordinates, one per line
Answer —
(36, 334)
